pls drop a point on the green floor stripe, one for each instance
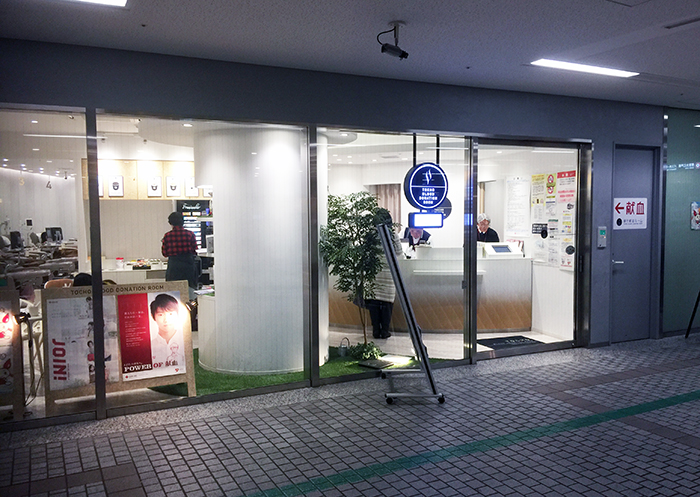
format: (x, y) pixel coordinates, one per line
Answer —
(436, 456)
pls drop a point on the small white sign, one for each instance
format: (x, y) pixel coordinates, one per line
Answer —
(190, 189)
(116, 186)
(630, 213)
(155, 186)
(172, 186)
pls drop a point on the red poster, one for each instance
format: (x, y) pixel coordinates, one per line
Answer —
(135, 333)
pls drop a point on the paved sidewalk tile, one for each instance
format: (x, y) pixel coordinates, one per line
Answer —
(620, 420)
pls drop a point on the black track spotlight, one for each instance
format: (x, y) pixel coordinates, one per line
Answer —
(393, 50)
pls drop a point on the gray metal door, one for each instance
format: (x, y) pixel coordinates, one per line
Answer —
(631, 249)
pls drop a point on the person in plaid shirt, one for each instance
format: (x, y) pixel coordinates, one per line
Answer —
(180, 247)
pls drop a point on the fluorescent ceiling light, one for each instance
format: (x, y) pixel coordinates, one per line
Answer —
(551, 151)
(113, 3)
(35, 135)
(570, 66)
(447, 148)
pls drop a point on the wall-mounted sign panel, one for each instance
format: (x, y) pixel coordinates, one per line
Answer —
(425, 186)
(116, 186)
(630, 213)
(155, 186)
(695, 215)
(425, 219)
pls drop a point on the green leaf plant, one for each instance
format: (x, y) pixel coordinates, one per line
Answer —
(351, 249)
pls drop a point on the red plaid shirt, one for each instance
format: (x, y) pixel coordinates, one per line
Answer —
(179, 241)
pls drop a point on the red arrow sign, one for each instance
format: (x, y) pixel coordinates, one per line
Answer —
(618, 207)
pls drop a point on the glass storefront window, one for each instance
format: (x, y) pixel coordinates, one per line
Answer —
(430, 260)
(43, 246)
(237, 314)
(241, 190)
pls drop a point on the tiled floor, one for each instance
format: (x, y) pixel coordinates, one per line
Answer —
(620, 420)
(439, 345)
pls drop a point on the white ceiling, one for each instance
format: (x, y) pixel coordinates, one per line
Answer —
(482, 43)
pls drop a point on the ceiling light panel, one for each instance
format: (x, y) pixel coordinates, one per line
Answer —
(111, 3)
(571, 66)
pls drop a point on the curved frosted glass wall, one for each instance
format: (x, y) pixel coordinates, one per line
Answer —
(258, 189)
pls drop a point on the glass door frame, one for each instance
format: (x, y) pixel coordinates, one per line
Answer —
(583, 237)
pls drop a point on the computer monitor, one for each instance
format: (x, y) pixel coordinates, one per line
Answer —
(54, 234)
(16, 241)
(502, 250)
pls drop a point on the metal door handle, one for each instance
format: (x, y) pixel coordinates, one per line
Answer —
(617, 262)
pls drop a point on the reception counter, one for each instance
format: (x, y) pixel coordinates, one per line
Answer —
(129, 276)
(434, 283)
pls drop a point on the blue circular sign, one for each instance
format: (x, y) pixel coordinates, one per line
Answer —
(425, 186)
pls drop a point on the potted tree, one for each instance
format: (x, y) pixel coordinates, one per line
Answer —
(350, 247)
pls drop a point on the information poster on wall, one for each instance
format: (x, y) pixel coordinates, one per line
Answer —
(538, 198)
(566, 201)
(540, 250)
(553, 242)
(551, 196)
(518, 207)
(155, 186)
(71, 341)
(152, 341)
(695, 215)
(190, 189)
(566, 253)
(553, 208)
(116, 186)
(173, 186)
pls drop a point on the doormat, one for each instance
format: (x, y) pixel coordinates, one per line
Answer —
(505, 342)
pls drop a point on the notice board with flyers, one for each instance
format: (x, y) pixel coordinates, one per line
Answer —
(147, 339)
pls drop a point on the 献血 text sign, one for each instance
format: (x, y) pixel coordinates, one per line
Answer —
(630, 213)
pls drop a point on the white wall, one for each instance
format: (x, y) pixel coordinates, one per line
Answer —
(260, 195)
(133, 229)
(55, 206)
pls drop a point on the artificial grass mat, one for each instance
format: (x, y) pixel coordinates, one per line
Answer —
(210, 382)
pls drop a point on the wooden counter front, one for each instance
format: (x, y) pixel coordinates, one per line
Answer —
(504, 296)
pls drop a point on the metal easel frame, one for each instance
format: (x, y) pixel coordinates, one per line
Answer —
(414, 330)
(692, 316)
